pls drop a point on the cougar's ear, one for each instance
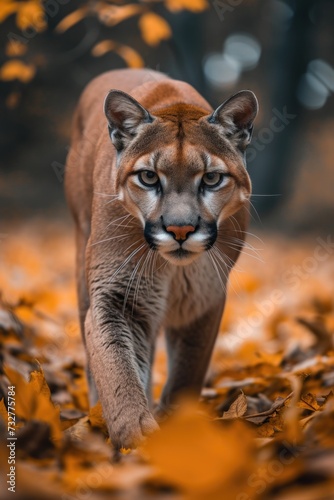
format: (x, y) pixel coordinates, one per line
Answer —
(125, 115)
(236, 115)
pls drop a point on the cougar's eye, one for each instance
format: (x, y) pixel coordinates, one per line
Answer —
(148, 178)
(212, 179)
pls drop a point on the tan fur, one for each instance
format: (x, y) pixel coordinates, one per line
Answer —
(127, 290)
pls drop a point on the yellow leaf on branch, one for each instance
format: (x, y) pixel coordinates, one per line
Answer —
(114, 14)
(7, 8)
(103, 47)
(192, 5)
(130, 56)
(31, 15)
(154, 29)
(15, 48)
(71, 19)
(17, 70)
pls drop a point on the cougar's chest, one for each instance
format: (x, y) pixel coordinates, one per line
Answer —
(193, 290)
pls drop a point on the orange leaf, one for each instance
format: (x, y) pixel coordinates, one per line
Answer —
(15, 48)
(71, 19)
(103, 47)
(192, 5)
(33, 400)
(96, 418)
(31, 15)
(130, 56)
(113, 14)
(198, 455)
(3, 411)
(8, 8)
(154, 28)
(16, 69)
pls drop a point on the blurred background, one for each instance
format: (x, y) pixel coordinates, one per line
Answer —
(283, 50)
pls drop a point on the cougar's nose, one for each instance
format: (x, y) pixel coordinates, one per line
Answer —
(180, 233)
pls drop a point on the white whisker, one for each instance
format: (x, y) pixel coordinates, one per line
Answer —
(129, 257)
(132, 277)
(106, 194)
(118, 237)
(217, 270)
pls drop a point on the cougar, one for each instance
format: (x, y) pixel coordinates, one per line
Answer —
(159, 192)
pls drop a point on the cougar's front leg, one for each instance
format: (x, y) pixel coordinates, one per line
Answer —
(119, 357)
(189, 352)
(82, 236)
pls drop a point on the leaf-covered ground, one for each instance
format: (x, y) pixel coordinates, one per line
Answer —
(264, 428)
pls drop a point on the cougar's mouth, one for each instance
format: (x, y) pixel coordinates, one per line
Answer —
(180, 253)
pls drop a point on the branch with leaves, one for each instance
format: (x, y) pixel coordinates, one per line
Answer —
(32, 18)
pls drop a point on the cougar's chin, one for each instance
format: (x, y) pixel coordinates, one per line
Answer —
(180, 257)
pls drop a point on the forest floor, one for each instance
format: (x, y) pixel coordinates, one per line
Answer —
(264, 428)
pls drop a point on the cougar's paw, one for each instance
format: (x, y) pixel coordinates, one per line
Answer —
(131, 428)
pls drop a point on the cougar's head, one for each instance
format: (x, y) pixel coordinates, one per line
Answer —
(181, 171)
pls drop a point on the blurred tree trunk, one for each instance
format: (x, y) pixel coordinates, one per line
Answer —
(274, 167)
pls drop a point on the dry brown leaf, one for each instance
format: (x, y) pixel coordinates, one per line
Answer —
(154, 29)
(309, 402)
(237, 409)
(79, 431)
(260, 417)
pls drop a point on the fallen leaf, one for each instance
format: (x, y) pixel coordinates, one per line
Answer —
(3, 411)
(237, 409)
(260, 417)
(197, 455)
(96, 418)
(324, 338)
(309, 402)
(33, 400)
